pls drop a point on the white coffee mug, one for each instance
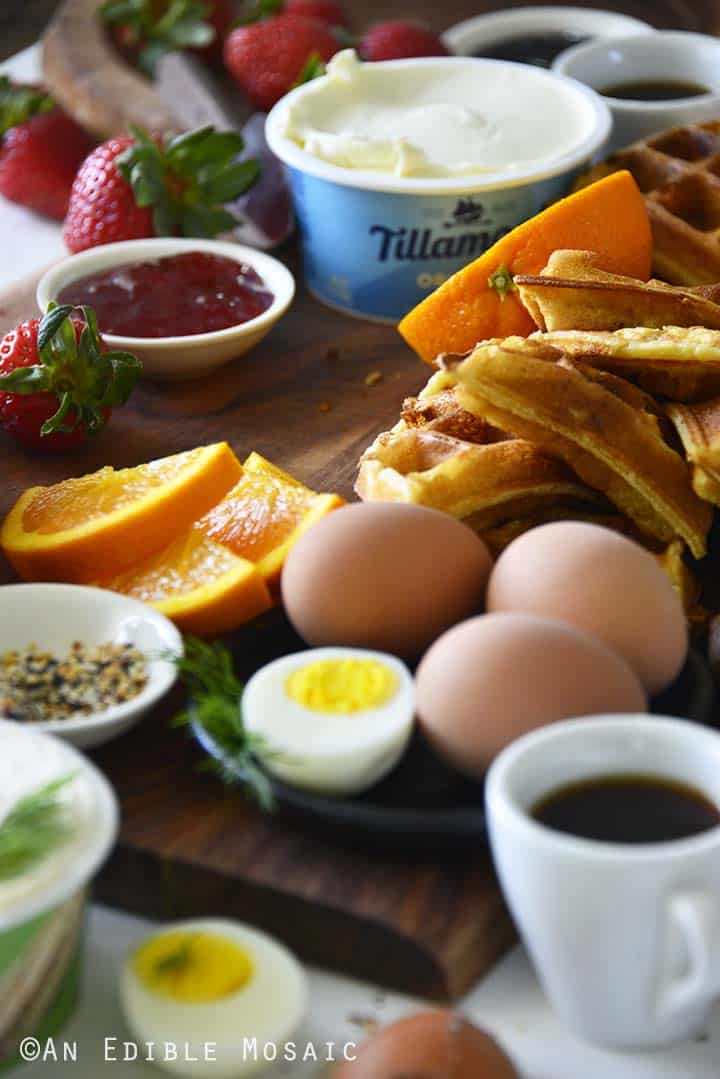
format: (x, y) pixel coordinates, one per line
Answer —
(625, 938)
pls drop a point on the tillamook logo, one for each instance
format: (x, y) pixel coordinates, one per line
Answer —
(422, 245)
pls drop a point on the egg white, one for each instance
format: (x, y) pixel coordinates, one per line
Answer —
(329, 752)
(269, 1008)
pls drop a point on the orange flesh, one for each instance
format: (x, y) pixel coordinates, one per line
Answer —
(258, 515)
(78, 501)
(608, 217)
(190, 562)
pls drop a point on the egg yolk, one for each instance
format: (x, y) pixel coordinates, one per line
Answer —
(341, 685)
(194, 968)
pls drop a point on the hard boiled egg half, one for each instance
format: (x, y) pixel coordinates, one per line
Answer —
(220, 994)
(332, 720)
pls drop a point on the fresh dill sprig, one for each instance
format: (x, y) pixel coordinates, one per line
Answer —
(177, 960)
(215, 704)
(33, 829)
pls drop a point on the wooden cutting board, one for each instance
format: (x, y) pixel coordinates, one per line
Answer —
(189, 846)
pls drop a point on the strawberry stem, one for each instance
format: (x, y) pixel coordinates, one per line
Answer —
(186, 179)
(18, 103)
(86, 380)
(184, 24)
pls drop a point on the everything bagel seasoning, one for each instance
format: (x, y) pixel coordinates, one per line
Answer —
(37, 686)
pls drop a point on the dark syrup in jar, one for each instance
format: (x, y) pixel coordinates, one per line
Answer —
(537, 49)
(655, 90)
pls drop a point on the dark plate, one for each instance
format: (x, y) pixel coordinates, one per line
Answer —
(423, 805)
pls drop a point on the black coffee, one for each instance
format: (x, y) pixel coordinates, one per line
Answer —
(627, 809)
(655, 90)
(537, 49)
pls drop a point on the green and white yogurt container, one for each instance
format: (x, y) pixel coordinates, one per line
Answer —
(42, 905)
(403, 171)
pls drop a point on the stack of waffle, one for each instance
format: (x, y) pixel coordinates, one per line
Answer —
(609, 413)
(678, 171)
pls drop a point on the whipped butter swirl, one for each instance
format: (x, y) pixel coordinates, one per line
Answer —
(456, 118)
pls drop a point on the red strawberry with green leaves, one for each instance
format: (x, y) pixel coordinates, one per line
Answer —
(144, 30)
(269, 57)
(137, 186)
(399, 39)
(41, 148)
(58, 381)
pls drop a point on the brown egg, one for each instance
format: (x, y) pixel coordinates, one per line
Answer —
(432, 1045)
(602, 583)
(384, 575)
(493, 678)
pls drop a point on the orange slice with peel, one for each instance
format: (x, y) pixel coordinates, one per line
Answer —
(479, 301)
(110, 520)
(203, 587)
(264, 514)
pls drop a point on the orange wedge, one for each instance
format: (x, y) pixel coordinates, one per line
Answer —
(109, 521)
(264, 514)
(478, 302)
(203, 587)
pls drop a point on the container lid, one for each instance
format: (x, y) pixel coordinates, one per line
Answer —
(29, 760)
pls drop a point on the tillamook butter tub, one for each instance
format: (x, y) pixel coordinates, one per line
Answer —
(58, 820)
(404, 171)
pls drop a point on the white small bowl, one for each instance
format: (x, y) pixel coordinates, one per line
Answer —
(53, 616)
(469, 37)
(675, 55)
(187, 356)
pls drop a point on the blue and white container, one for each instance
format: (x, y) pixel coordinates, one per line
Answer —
(374, 242)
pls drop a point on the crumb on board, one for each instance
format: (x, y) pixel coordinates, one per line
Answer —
(373, 377)
(325, 406)
(368, 1023)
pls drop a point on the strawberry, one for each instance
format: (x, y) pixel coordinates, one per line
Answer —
(329, 11)
(58, 381)
(144, 30)
(40, 151)
(269, 57)
(134, 186)
(398, 39)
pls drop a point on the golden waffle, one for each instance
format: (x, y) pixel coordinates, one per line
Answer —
(573, 293)
(611, 445)
(682, 364)
(672, 560)
(699, 429)
(484, 478)
(678, 171)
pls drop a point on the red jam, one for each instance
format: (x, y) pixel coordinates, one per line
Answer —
(178, 296)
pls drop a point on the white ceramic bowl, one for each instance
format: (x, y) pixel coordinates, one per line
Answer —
(675, 55)
(188, 356)
(469, 37)
(53, 616)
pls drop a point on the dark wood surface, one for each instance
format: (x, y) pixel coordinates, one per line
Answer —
(188, 846)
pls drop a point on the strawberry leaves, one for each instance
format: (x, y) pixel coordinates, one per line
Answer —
(187, 178)
(19, 103)
(184, 24)
(86, 380)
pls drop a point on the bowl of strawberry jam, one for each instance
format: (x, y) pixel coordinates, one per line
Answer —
(184, 307)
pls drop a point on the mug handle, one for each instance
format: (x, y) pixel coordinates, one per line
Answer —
(696, 915)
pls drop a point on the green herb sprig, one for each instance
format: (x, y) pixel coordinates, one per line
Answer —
(215, 694)
(177, 960)
(33, 829)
